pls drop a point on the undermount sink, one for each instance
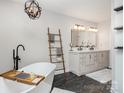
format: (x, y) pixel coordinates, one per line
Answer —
(83, 49)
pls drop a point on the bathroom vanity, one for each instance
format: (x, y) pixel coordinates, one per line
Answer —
(87, 61)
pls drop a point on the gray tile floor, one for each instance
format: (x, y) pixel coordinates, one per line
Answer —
(80, 84)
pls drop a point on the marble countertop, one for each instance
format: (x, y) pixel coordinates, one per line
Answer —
(85, 51)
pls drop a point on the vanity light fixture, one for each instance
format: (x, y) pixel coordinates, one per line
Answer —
(93, 29)
(75, 26)
(33, 9)
(79, 27)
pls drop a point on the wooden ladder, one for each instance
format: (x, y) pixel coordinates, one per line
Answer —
(51, 48)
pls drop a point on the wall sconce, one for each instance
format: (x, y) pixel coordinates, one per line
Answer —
(33, 9)
(79, 27)
(93, 29)
(82, 28)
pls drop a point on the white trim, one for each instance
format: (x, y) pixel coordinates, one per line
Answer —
(114, 88)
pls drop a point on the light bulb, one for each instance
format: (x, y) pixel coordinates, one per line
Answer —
(75, 27)
(92, 29)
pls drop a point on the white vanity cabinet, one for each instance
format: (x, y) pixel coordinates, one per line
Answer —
(81, 63)
(75, 67)
(102, 59)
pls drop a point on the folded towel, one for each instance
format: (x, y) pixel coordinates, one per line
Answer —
(59, 52)
(52, 38)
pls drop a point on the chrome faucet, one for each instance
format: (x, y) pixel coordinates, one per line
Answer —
(17, 58)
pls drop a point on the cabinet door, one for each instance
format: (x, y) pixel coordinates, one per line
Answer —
(105, 59)
(99, 60)
(82, 64)
(93, 58)
(94, 61)
(74, 63)
(102, 59)
(90, 58)
(91, 62)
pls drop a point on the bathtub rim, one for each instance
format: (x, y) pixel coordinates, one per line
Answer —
(53, 67)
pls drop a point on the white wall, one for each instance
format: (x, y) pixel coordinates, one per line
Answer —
(16, 28)
(104, 35)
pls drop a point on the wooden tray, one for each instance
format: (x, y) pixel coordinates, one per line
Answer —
(12, 75)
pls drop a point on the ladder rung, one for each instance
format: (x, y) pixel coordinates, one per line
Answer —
(54, 40)
(59, 69)
(56, 54)
(58, 62)
(54, 34)
(55, 47)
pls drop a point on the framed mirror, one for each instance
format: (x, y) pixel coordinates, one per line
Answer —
(83, 38)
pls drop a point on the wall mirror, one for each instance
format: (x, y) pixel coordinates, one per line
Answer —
(83, 38)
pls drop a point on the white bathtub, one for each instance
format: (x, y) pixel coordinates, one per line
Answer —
(45, 69)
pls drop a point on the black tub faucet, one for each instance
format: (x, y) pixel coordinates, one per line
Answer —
(17, 58)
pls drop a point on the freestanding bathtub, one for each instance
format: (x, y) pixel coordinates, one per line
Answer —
(42, 68)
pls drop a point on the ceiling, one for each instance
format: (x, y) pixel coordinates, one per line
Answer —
(91, 10)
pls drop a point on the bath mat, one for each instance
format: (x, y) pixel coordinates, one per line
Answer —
(58, 90)
(102, 76)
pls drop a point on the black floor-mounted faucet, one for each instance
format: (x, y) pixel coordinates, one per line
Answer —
(16, 58)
